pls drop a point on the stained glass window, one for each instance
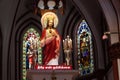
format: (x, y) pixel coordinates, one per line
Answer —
(85, 49)
(32, 53)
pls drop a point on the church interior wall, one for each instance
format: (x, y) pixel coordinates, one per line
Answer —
(17, 12)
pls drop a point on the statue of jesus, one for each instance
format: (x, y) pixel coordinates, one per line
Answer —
(50, 41)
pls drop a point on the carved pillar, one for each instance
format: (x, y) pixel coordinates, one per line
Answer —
(114, 52)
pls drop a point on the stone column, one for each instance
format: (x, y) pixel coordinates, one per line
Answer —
(114, 52)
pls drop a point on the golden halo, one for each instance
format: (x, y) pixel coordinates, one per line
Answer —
(49, 15)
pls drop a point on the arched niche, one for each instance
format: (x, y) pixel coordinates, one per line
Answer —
(87, 13)
(21, 40)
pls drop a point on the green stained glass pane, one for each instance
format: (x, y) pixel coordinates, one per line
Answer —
(31, 50)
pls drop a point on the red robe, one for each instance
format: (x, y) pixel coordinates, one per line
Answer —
(49, 49)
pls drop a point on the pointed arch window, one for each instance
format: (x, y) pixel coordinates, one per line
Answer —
(85, 59)
(32, 52)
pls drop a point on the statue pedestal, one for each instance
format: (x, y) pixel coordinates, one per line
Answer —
(49, 74)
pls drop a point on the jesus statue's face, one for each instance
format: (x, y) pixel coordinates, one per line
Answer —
(50, 23)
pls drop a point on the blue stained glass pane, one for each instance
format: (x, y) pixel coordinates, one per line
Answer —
(85, 49)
